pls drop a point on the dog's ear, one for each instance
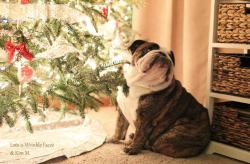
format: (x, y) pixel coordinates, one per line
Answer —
(135, 45)
(171, 55)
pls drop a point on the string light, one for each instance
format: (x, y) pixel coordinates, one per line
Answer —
(91, 63)
(126, 18)
(2, 68)
(38, 80)
(122, 3)
(3, 85)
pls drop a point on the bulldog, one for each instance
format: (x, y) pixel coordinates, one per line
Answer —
(165, 117)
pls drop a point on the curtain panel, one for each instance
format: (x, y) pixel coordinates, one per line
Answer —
(181, 26)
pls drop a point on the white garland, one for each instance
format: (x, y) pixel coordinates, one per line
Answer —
(29, 12)
(59, 48)
(19, 12)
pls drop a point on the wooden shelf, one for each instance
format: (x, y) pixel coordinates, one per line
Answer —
(229, 97)
(230, 151)
(231, 45)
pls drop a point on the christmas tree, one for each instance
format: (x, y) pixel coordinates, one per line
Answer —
(68, 50)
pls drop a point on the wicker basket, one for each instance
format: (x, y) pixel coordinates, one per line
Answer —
(234, 23)
(231, 74)
(231, 124)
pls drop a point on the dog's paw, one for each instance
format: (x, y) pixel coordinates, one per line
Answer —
(128, 142)
(112, 140)
(131, 150)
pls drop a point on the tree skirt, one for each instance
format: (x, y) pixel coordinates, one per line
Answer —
(68, 137)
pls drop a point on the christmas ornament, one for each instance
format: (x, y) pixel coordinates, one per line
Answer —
(25, 1)
(105, 11)
(25, 73)
(20, 48)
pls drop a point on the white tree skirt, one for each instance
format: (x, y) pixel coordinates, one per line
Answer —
(70, 137)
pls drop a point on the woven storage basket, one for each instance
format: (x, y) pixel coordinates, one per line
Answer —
(231, 74)
(234, 23)
(231, 124)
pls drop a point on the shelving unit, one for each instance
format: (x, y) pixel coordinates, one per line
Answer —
(229, 97)
(214, 46)
(230, 45)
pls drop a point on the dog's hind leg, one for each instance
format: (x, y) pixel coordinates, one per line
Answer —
(182, 141)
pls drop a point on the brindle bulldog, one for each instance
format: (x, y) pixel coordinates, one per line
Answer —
(166, 118)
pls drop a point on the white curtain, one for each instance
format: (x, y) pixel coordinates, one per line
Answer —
(181, 26)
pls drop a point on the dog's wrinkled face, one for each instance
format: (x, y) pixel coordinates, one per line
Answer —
(149, 66)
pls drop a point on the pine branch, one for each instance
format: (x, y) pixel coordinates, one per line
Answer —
(3, 39)
(93, 102)
(19, 37)
(9, 120)
(55, 26)
(62, 110)
(82, 107)
(10, 76)
(63, 98)
(45, 101)
(72, 35)
(35, 26)
(41, 114)
(47, 34)
(26, 117)
(33, 103)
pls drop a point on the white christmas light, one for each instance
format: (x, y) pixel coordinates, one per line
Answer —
(57, 77)
(25, 85)
(91, 63)
(68, 76)
(39, 80)
(117, 41)
(81, 57)
(44, 89)
(107, 30)
(3, 85)
(126, 18)
(123, 3)
(2, 68)
(40, 1)
(117, 58)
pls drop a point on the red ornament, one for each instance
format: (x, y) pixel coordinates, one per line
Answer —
(105, 11)
(21, 48)
(25, 74)
(10, 48)
(25, 1)
(24, 52)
